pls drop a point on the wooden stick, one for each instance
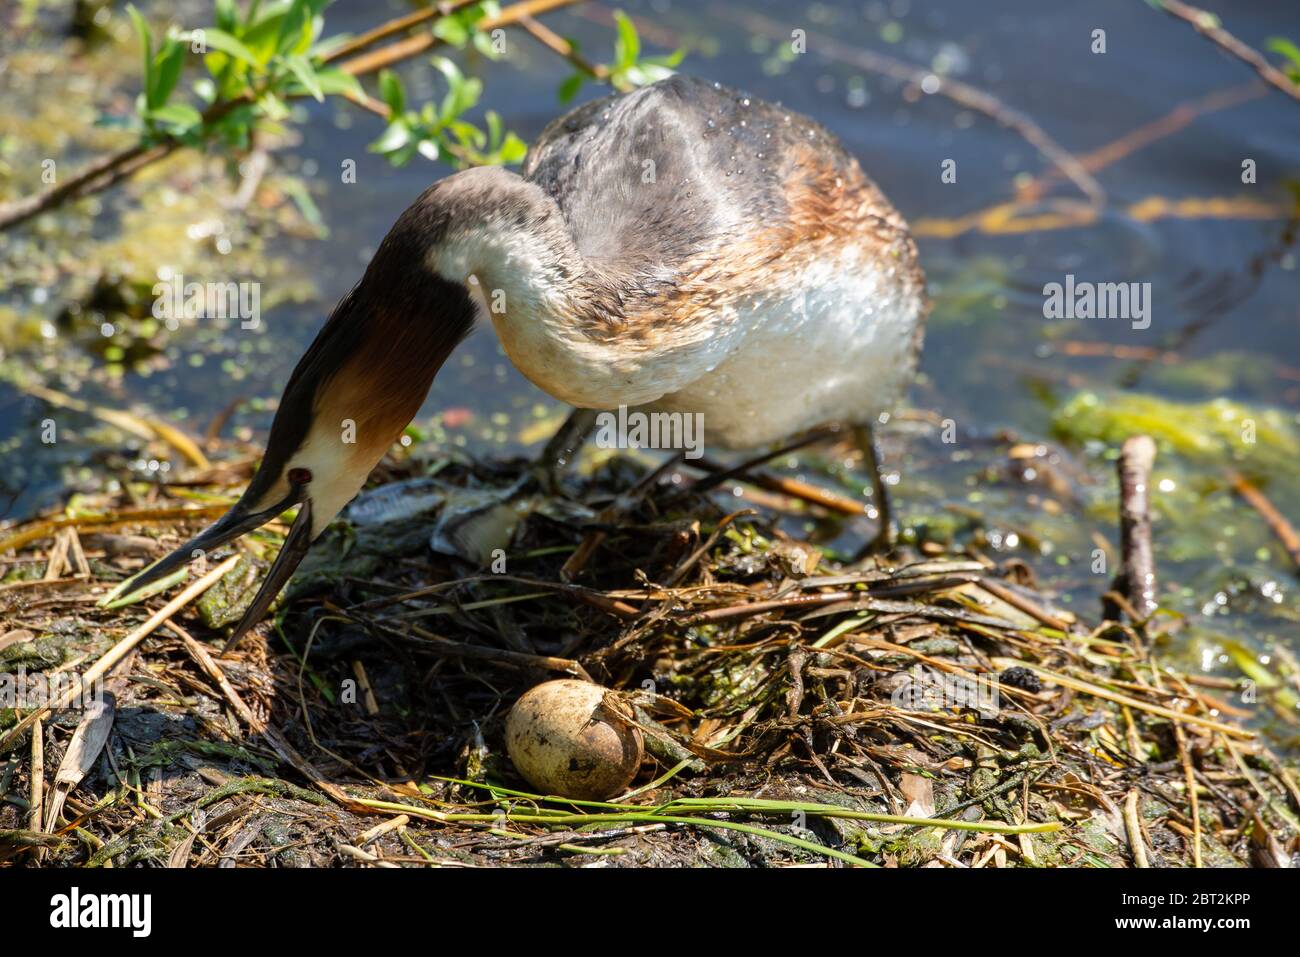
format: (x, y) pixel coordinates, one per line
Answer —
(37, 802)
(36, 813)
(1019, 602)
(719, 474)
(1193, 800)
(1134, 828)
(44, 528)
(209, 667)
(1137, 578)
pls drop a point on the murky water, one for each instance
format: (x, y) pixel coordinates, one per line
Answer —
(1163, 121)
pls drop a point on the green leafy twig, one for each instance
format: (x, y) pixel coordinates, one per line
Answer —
(256, 61)
(628, 70)
(1208, 26)
(435, 131)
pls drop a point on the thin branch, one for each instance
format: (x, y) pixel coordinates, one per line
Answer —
(1139, 138)
(562, 47)
(98, 176)
(1275, 520)
(394, 27)
(963, 93)
(409, 47)
(1207, 25)
(781, 485)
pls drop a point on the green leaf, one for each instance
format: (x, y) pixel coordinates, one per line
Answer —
(325, 47)
(273, 107)
(460, 27)
(315, 25)
(305, 74)
(671, 60)
(176, 114)
(306, 205)
(233, 128)
(570, 87)
(403, 154)
(645, 73)
(227, 15)
(485, 45)
(468, 134)
(397, 135)
(391, 91)
(223, 42)
(513, 150)
(1286, 48)
(463, 92)
(261, 38)
(146, 46)
(448, 69)
(627, 45)
(470, 92)
(336, 82)
(296, 20)
(451, 30)
(166, 72)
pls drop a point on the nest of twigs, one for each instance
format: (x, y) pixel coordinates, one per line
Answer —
(797, 710)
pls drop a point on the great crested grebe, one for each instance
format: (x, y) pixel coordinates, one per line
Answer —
(679, 248)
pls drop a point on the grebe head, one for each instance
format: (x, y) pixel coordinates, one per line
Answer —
(349, 399)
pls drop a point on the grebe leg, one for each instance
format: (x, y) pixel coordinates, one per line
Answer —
(562, 448)
(865, 437)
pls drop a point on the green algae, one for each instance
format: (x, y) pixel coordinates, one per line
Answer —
(1214, 432)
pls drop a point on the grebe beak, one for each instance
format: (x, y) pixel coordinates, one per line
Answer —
(291, 554)
(236, 522)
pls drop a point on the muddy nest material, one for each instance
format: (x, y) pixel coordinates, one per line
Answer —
(796, 709)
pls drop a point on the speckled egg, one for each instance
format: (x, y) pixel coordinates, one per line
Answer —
(572, 738)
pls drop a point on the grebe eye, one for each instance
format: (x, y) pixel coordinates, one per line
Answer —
(299, 476)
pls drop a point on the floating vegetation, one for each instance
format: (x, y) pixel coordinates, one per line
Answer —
(1217, 431)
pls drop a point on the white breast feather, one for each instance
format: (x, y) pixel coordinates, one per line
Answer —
(834, 344)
